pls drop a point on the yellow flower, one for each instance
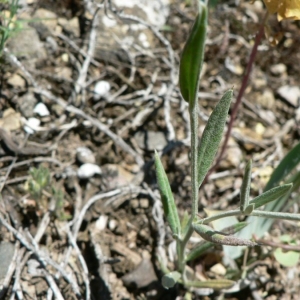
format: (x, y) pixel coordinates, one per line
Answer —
(285, 9)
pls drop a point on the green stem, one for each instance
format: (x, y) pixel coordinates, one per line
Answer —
(255, 213)
(276, 215)
(225, 214)
(181, 245)
(194, 156)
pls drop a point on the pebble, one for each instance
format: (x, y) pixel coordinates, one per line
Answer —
(101, 89)
(31, 125)
(88, 170)
(142, 276)
(41, 109)
(151, 140)
(85, 155)
(101, 223)
(290, 93)
(278, 69)
(112, 224)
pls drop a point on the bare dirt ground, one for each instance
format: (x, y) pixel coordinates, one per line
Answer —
(86, 96)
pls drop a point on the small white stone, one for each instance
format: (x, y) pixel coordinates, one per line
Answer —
(41, 109)
(31, 125)
(101, 223)
(88, 170)
(85, 155)
(101, 89)
(112, 224)
(144, 40)
(290, 93)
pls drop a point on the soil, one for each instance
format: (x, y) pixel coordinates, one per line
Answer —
(88, 92)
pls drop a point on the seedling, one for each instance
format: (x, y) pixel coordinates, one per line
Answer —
(202, 157)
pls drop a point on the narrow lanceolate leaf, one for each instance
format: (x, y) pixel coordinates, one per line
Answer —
(245, 189)
(213, 284)
(271, 195)
(216, 237)
(167, 198)
(289, 162)
(203, 246)
(192, 57)
(212, 135)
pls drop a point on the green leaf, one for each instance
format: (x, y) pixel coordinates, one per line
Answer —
(167, 198)
(203, 246)
(213, 284)
(287, 259)
(271, 195)
(192, 57)
(245, 188)
(288, 163)
(220, 238)
(212, 135)
(170, 279)
(261, 225)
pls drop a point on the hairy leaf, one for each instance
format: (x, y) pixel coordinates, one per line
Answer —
(167, 198)
(212, 135)
(245, 189)
(217, 237)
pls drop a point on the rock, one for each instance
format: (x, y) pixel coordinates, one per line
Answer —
(11, 120)
(88, 170)
(26, 44)
(151, 140)
(85, 155)
(27, 104)
(266, 99)
(290, 93)
(115, 176)
(16, 81)
(278, 69)
(101, 223)
(41, 109)
(142, 276)
(6, 255)
(144, 203)
(218, 269)
(70, 25)
(101, 89)
(233, 155)
(31, 125)
(233, 66)
(47, 18)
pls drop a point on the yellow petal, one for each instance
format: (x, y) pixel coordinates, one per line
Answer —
(290, 9)
(285, 9)
(272, 6)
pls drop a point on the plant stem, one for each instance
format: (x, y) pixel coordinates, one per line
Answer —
(181, 244)
(255, 213)
(276, 215)
(236, 212)
(194, 157)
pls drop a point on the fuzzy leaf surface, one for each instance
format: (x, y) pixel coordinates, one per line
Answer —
(245, 188)
(167, 198)
(212, 135)
(203, 246)
(220, 238)
(271, 195)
